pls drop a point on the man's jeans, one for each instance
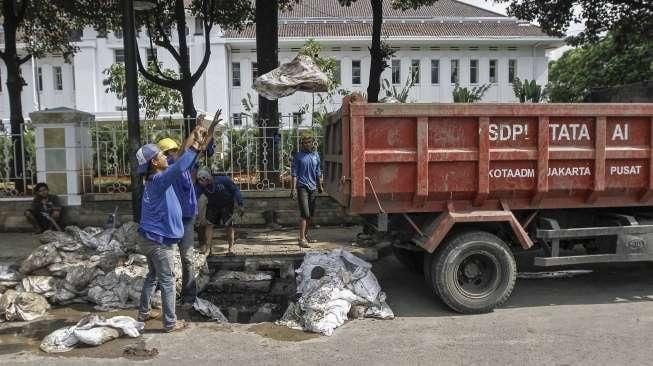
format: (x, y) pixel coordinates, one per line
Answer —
(160, 263)
(188, 285)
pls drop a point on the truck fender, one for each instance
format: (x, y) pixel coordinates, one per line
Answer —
(437, 230)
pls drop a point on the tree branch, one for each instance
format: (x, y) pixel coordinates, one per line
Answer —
(156, 63)
(207, 52)
(20, 14)
(22, 60)
(172, 84)
(166, 41)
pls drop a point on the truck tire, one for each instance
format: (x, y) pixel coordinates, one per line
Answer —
(411, 259)
(473, 272)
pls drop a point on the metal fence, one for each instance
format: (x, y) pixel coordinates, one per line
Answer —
(256, 155)
(17, 162)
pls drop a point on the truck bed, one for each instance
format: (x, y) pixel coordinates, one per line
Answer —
(401, 158)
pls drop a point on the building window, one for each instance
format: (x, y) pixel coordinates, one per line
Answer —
(119, 56)
(414, 70)
(512, 70)
(151, 55)
(337, 73)
(455, 65)
(356, 72)
(235, 73)
(39, 78)
(58, 77)
(297, 118)
(435, 71)
(473, 71)
(199, 26)
(493, 71)
(236, 119)
(396, 71)
(254, 71)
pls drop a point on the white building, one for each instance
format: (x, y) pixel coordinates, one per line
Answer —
(444, 43)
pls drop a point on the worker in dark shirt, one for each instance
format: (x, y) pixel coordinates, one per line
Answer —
(45, 213)
(306, 184)
(221, 197)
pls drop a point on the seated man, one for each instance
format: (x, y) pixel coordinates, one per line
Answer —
(217, 198)
(45, 212)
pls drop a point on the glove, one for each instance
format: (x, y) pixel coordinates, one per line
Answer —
(293, 194)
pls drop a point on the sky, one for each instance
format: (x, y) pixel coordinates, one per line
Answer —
(501, 8)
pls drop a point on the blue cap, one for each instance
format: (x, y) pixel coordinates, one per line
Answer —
(144, 155)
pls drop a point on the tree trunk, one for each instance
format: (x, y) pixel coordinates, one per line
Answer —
(189, 106)
(267, 59)
(186, 77)
(14, 89)
(376, 63)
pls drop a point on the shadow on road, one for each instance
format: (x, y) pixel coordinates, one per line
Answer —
(410, 296)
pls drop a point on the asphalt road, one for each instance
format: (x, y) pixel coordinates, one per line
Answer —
(600, 318)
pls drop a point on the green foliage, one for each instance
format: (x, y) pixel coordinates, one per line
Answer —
(604, 64)
(624, 19)
(465, 95)
(400, 95)
(43, 27)
(528, 91)
(7, 157)
(153, 98)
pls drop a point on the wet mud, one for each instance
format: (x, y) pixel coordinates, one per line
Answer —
(281, 333)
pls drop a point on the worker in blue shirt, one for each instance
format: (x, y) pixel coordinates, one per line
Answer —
(306, 184)
(161, 225)
(220, 197)
(185, 192)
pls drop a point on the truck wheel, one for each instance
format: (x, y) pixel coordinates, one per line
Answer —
(473, 272)
(413, 260)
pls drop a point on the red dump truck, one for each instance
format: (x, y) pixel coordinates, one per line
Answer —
(460, 186)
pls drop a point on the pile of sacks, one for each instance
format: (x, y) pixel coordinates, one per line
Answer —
(102, 267)
(331, 286)
(92, 330)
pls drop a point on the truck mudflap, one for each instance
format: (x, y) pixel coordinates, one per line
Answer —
(632, 242)
(435, 232)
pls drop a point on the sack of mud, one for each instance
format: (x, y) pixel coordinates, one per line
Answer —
(92, 330)
(209, 310)
(61, 340)
(41, 257)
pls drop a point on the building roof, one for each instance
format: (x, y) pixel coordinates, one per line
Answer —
(417, 29)
(362, 9)
(443, 19)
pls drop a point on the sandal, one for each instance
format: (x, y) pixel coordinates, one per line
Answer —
(310, 239)
(179, 325)
(230, 254)
(303, 243)
(153, 314)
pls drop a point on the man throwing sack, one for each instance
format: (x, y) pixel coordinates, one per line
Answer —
(161, 224)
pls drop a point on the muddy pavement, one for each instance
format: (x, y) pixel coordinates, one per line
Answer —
(599, 318)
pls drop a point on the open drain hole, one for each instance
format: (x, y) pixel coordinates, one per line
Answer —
(252, 291)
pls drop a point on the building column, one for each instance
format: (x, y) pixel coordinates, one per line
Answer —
(64, 153)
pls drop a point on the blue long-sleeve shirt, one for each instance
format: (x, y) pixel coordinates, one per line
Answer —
(185, 191)
(161, 217)
(222, 189)
(306, 167)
